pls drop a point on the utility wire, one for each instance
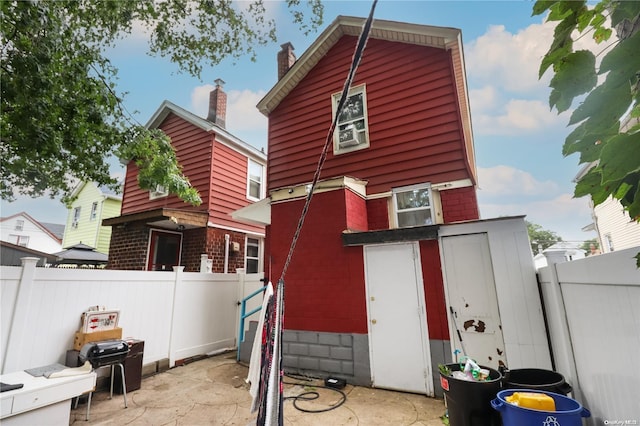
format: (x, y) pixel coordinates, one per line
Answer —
(357, 55)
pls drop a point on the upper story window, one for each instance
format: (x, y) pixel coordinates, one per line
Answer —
(159, 192)
(413, 205)
(352, 129)
(76, 217)
(94, 210)
(19, 225)
(255, 181)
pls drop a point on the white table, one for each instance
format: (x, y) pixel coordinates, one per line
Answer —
(42, 401)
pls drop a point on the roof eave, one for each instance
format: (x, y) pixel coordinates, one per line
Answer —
(439, 37)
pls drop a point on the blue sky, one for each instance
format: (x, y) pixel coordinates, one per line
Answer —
(518, 140)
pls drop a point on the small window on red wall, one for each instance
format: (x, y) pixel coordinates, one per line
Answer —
(413, 205)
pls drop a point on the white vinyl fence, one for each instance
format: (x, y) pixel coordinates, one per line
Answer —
(593, 311)
(177, 314)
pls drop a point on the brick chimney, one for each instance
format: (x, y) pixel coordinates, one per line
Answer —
(286, 59)
(218, 104)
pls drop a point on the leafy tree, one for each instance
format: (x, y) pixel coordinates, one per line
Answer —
(598, 136)
(61, 118)
(586, 246)
(540, 238)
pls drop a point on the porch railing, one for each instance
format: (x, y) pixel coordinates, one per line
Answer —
(244, 314)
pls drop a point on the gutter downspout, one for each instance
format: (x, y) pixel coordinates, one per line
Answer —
(226, 253)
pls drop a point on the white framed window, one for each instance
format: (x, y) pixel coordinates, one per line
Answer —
(352, 128)
(609, 242)
(255, 180)
(94, 210)
(19, 225)
(159, 192)
(252, 255)
(413, 205)
(76, 217)
(19, 240)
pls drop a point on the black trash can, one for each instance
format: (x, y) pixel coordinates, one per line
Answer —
(536, 379)
(469, 402)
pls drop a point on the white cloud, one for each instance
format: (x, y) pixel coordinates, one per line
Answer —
(242, 113)
(243, 118)
(561, 214)
(511, 99)
(515, 117)
(501, 181)
(510, 60)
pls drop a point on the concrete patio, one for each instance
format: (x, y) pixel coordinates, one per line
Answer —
(212, 391)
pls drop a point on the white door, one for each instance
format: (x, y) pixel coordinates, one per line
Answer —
(398, 336)
(471, 295)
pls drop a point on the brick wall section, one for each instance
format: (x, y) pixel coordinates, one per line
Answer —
(325, 280)
(193, 243)
(128, 247)
(378, 214)
(459, 204)
(356, 212)
(434, 290)
(214, 249)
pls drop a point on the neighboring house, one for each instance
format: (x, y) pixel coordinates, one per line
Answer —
(157, 231)
(615, 229)
(23, 230)
(11, 255)
(559, 252)
(92, 204)
(391, 242)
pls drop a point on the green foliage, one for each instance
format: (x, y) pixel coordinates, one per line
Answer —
(540, 238)
(61, 118)
(598, 136)
(586, 246)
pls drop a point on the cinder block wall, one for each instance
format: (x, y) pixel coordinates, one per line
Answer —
(321, 354)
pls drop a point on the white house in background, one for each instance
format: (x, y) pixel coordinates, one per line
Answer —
(559, 252)
(23, 230)
(615, 229)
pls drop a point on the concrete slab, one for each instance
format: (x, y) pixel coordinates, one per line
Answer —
(212, 391)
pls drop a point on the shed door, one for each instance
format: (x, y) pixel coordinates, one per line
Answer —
(398, 339)
(471, 295)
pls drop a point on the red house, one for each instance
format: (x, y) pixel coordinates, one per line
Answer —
(401, 165)
(157, 231)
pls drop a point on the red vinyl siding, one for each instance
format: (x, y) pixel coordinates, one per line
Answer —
(229, 187)
(218, 172)
(324, 283)
(194, 152)
(414, 125)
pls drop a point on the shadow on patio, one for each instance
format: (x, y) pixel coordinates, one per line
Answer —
(212, 391)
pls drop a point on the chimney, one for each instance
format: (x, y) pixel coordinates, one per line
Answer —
(286, 59)
(218, 104)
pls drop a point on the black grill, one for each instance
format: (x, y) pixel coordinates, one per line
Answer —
(106, 352)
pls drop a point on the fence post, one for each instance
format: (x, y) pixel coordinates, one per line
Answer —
(242, 282)
(561, 344)
(177, 290)
(206, 264)
(19, 320)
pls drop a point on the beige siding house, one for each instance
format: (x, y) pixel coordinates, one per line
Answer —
(615, 229)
